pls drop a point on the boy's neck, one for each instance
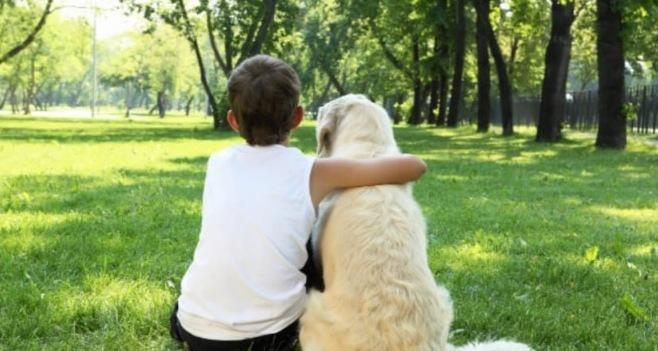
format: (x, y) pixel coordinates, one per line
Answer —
(284, 143)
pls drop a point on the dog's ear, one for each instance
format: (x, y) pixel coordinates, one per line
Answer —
(325, 130)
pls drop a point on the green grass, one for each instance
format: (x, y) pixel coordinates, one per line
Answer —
(554, 245)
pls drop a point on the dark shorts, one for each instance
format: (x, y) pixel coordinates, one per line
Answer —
(285, 340)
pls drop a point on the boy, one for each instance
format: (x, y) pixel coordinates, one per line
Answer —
(244, 289)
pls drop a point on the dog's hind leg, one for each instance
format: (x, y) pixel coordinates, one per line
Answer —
(314, 324)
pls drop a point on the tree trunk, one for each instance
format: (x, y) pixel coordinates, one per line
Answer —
(558, 54)
(268, 17)
(334, 80)
(610, 50)
(219, 119)
(29, 91)
(399, 99)
(424, 106)
(160, 103)
(414, 118)
(440, 57)
(504, 86)
(4, 97)
(213, 44)
(127, 100)
(460, 49)
(484, 68)
(411, 74)
(188, 105)
(13, 100)
(434, 101)
(443, 96)
(514, 48)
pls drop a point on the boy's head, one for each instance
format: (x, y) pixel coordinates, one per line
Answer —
(264, 96)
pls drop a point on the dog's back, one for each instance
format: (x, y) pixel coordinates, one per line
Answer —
(375, 267)
(379, 292)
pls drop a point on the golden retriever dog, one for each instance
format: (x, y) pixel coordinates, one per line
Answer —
(380, 294)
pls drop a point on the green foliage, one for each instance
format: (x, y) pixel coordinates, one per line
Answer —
(58, 59)
(523, 33)
(584, 67)
(336, 46)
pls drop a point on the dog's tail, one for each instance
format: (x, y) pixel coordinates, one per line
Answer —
(500, 345)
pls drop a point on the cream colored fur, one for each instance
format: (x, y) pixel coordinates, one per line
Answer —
(379, 293)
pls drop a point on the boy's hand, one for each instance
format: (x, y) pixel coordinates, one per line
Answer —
(331, 174)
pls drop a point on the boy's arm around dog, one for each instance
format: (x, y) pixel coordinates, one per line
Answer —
(331, 174)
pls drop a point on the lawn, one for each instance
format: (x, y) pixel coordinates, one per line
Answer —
(554, 245)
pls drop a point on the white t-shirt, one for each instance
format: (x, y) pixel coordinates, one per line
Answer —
(245, 279)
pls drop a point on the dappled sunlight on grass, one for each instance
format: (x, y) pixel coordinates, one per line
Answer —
(466, 256)
(98, 221)
(23, 232)
(106, 294)
(647, 250)
(22, 243)
(34, 220)
(635, 214)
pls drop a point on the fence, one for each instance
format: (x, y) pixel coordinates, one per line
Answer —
(582, 110)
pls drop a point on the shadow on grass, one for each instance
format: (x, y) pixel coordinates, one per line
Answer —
(509, 222)
(122, 131)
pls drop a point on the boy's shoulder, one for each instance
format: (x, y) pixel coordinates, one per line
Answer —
(259, 154)
(220, 156)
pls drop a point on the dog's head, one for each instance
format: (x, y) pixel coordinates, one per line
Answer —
(353, 126)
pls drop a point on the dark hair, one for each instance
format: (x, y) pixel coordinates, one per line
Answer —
(264, 92)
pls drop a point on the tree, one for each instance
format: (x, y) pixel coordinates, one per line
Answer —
(164, 65)
(610, 52)
(460, 50)
(483, 67)
(439, 83)
(412, 73)
(583, 70)
(404, 31)
(44, 71)
(30, 36)
(185, 26)
(128, 69)
(243, 27)
(504, 86)
(558, 55)
(327, 32)
(163, 69)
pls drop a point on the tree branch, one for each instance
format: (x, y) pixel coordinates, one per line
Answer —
(228, 42)
(202, 70)
(268, 17)
(30, 38)
(389, 54)
(246, 45)
(213, 44)
(333, 80)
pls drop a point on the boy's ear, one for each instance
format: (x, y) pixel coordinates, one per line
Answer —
(233, 121)
(298, 117)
